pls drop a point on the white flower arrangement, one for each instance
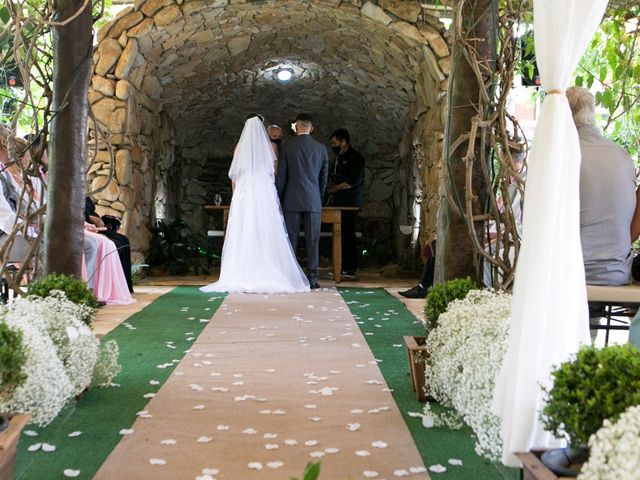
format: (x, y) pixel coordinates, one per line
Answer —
(60, 318)
(466, 350)
(47, 387)
(614, 449)
(61, 351)
(107, 366)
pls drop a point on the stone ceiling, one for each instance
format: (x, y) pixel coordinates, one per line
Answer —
(174, 80)
(212, 62)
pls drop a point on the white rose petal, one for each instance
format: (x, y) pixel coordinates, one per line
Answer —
(48, 448)
(71, 473)
(168, 441)
(370, 473)
(77, 433)
(271, 446)
(276, 464)
(157, 461)
(126, 431)
(455, 461)
(379, 444)
(204, 439)
(255, 465)
(437, 468)
(363, 453)
(311, 443)
(417, 469)
(35, 447)
(318, 454)
(291, 442)
(30, 433)
(72, 333)
(210, 471)
(249, 431)
(400, 473)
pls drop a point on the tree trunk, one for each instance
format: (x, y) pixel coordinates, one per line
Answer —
(455, 255)
(72, 59)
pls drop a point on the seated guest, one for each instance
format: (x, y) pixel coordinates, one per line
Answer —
(9, 200)
(109, 228)
(607, 197)
(426, 280)
(109, 283)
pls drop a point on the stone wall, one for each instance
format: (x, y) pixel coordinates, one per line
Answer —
(174, 80)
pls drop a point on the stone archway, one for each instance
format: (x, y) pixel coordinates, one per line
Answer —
(174, 79)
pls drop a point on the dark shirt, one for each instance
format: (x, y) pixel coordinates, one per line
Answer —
(89, 209)
(349, 167)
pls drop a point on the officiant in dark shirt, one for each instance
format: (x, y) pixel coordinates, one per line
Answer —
(346, 189)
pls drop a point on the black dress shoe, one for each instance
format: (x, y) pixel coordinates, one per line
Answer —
(314, 286)
(415, 292)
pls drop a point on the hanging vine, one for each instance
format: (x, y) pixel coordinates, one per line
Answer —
(496, 142)
(26, 77)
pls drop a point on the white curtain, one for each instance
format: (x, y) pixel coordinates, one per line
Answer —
(549, 318)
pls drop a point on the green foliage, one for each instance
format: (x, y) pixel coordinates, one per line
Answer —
(598, 384)
(311, 472)
(75, 290)
(12, 360)
(611, 67)
(175, 248)
(441, 294)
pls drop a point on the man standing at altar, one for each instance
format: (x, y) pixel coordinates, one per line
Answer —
(346, 189)
(301, 181)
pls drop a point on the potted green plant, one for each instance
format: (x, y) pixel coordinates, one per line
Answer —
(596, 385)
(75, 290)
(12, 360)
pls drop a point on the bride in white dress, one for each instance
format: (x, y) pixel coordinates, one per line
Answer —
(257, 256)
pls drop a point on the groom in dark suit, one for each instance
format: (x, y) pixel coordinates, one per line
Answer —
(301, 181)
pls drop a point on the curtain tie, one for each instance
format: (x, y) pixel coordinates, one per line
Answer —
(556, 91)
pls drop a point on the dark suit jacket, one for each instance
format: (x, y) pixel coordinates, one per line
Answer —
(302, 174)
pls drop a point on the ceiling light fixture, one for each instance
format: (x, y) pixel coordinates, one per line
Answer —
(284, 74)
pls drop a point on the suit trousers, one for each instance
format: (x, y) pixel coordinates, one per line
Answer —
(311, 221)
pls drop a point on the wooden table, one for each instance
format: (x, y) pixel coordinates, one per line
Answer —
(331, 215)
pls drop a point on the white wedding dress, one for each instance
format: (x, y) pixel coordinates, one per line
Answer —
(257, 256)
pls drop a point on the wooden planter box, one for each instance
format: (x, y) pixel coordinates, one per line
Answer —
(534, 469)
(416, 353)
(9, 439)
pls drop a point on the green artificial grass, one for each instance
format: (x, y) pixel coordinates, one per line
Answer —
(145, 340)
(384, 321)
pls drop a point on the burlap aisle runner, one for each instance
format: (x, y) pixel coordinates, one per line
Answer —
(272, 383)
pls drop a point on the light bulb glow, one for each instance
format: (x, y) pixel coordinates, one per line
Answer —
(284, 74)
